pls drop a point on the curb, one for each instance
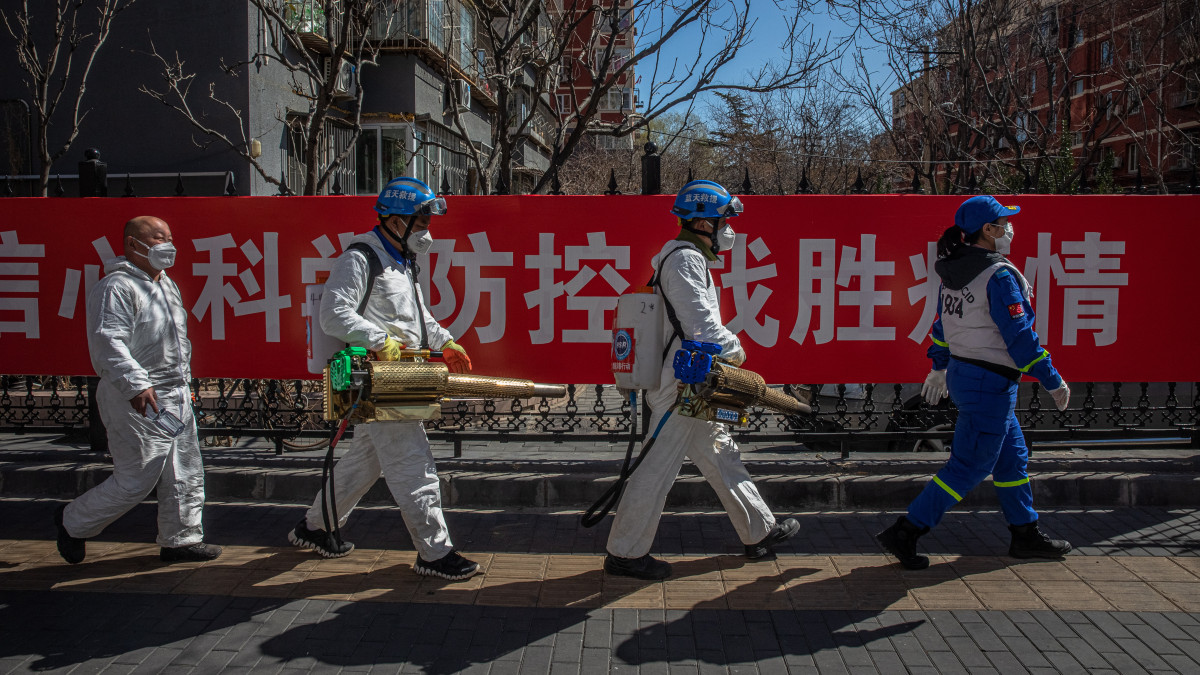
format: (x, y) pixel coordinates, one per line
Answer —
(463, 487)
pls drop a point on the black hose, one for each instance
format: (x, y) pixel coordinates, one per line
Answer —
(612, 496)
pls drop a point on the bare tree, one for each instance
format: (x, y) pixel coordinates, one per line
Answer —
(988, 89)
(298, 31)
(56, 44)
(531, 47)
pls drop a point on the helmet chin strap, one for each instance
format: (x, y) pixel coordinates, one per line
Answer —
(403, 239)
(712, 236)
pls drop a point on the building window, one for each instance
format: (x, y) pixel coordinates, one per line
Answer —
(1033, 82)
(335, 138)
(1077, 138)
(609, 142)
(617, 98)
(1022, 127)
(1053, 79)
(563, 102)
(1106, 54)
(1077, 87)
(1133, 101)
(1131, 158)
(620, 55)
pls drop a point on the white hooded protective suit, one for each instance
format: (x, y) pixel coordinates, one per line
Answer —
(685, 281)
(137, 339)
(400, 450)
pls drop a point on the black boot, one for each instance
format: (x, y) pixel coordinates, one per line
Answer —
(1030, 542)
(901, 541)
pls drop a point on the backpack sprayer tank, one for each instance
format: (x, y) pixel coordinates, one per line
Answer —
(408, 389)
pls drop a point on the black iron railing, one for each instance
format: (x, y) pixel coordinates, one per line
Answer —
(859, 417)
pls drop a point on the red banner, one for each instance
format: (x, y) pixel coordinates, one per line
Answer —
(819, 288)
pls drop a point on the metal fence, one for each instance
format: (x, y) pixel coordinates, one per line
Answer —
(845, 417)
(889, 417)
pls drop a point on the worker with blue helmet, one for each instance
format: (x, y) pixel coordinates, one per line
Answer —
(392, 317)
(983, 342)
(682, 277)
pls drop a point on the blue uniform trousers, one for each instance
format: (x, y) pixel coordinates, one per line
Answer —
(987, 440)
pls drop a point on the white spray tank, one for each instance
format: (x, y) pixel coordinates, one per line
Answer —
(320, 345)
(637, 339)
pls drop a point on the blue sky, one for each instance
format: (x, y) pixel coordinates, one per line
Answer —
(766, 37)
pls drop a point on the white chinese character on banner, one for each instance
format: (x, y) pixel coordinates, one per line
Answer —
(1040, 271)
(327, 256)
(1092, 285)
(474, 286)
(217, 292)
(749, 304)
(90, 275)
(11, 249)
(925, 292)
(597, 249)
(545, 262)
(866, 298)
(816, 289)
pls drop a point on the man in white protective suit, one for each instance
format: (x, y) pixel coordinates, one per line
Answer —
(683, 279)
(386, 313)
(137, 339)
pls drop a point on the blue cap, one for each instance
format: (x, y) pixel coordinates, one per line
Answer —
(977, 211)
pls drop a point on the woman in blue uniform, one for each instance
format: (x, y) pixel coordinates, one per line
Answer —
(983, 342)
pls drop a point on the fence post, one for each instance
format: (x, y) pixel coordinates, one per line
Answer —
(916, 184)
(805, 187)
(93, 182)
(651, 170)
(612, 183)
(93, 175)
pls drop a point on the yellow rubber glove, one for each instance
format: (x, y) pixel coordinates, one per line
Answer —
(390, 350)
(456, 357)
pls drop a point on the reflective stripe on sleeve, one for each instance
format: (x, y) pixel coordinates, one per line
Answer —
(945, 487)
(942, 344)
(1044, 355)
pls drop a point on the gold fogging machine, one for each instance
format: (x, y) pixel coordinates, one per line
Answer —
(709, 389)
(361, 390)
(712, 390)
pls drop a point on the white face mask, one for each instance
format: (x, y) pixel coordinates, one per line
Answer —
(725, 239)
(1004, 244)
(420, 243)
(161, 256)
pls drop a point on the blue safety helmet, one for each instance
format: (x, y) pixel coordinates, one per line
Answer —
(705, 199)
(406, 196)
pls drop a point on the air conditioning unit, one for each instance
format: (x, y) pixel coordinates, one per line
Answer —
(342, 86)
(462, 90)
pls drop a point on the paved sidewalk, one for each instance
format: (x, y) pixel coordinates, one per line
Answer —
(1127, 601)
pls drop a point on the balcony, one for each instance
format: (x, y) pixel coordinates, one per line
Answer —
(440, 31)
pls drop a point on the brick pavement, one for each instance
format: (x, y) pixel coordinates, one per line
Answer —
(1128, 602)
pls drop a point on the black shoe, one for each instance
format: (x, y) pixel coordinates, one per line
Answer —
(198, 552)
(319, 541)
(72, 549)
(451, 566)
(645, 567)
(778, 534)
(901, 541)
(1030, 542)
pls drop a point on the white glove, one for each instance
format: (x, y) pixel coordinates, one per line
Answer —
(1061, 396)
(934, 389)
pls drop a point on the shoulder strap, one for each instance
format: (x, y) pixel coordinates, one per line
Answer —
(375, 268)
(656, 282)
